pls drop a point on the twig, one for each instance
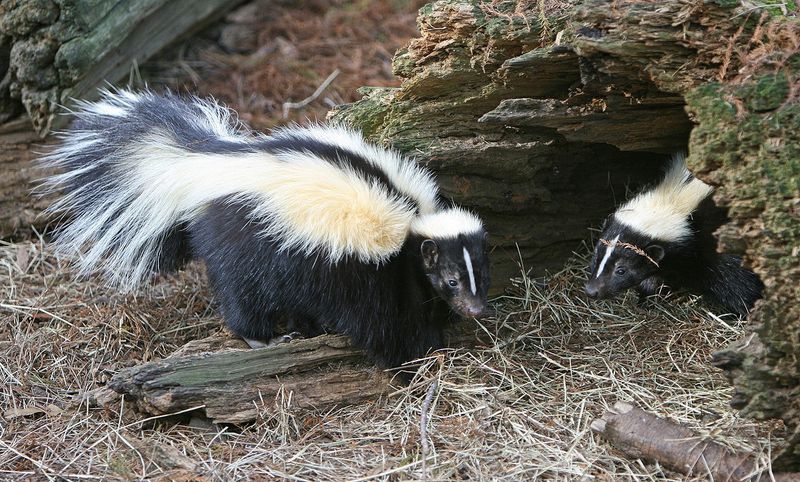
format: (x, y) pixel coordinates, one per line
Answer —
(423, 426)
(632, 247)
(287, 106)
(46, 471)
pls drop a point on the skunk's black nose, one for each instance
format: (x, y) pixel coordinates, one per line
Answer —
(591, 291)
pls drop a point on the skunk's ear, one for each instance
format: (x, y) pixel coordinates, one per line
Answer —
(430, 253)
(656, 252)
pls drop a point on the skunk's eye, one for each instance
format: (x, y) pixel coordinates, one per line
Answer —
(620, 271)
(452, 283)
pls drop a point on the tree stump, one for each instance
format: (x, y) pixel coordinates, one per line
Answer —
(54, 52)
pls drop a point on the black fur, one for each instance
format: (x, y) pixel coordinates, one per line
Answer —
(391, 310)
(692, 264)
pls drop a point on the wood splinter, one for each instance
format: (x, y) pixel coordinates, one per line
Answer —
(643, 435)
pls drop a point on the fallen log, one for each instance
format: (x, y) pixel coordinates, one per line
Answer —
(233, 385)
(642, 435)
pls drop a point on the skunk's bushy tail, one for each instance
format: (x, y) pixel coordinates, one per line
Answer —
(733, 286)
(139, 169)
(128, 190)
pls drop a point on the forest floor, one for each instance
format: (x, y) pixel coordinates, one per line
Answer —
(270, 53)
(516, 407)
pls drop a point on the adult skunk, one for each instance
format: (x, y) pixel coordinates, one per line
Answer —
(310, 225)
(664, 236)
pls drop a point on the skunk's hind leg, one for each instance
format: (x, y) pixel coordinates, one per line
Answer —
(307, 325)
(298, 327)
(254, 326)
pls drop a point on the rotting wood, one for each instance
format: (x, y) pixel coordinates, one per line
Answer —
(233, 385)
(615, 121)
(642, 435)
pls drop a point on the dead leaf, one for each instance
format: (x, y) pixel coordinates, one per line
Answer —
(13, 413)
(53, 410)
(23, 257)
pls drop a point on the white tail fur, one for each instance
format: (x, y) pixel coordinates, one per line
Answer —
(663, 212)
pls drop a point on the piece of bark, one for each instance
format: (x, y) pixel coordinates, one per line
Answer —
(233, 385)
(616, 121)
(642, 435)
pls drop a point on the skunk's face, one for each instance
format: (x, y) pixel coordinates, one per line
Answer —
(458, 270)
(619, 264)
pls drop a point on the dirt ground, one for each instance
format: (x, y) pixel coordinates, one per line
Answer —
(268, 53)
(515, 408)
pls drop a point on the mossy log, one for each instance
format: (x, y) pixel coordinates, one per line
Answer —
(541, 115)
(233, 385)
(53, 51)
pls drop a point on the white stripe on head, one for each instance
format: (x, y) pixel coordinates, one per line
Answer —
(468, 260)
(609, 250)
(447, 224)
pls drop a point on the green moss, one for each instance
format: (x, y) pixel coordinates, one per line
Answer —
(369, 113)
(709, 102)
(778, 7)
(767, 93)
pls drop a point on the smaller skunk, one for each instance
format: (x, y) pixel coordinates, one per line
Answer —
(664, 237)
(309, 225)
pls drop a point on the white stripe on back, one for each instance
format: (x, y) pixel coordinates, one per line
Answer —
(609, 250)
(468, 260)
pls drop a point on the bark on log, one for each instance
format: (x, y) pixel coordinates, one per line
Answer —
(642, 435)
(233, 385)
(543, 137)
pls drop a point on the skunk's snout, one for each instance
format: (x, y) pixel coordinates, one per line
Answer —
(476, 311)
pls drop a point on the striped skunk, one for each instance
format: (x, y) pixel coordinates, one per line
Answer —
(664, 236)
(309, 225)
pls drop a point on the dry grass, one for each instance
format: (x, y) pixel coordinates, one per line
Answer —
(514, 409)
